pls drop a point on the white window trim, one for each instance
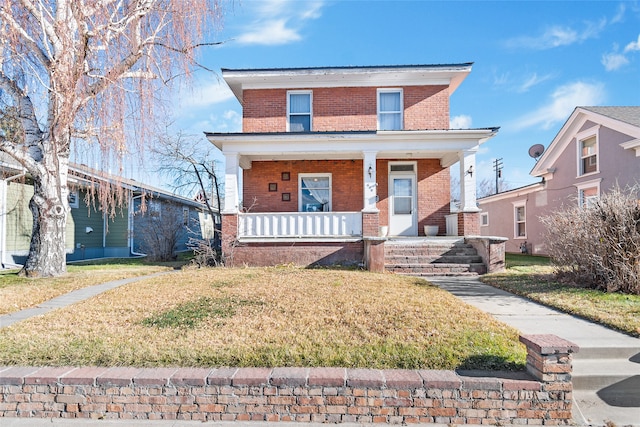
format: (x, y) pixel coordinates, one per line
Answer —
(318, 175)
(581, 136)
(300, 92)
(390, 90)
(587, 184)
(516, 205)
(74, 201)
(484, 215)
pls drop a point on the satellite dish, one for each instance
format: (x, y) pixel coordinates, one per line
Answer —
(536, 151)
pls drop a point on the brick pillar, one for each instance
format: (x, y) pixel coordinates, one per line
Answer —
(549, 361)
(229, 236)
(370, 224)
(374, 254)
(468, 223)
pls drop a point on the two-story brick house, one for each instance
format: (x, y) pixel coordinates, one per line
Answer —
(329, 157)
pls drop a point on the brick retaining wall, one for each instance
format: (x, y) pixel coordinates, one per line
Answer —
(541, 397)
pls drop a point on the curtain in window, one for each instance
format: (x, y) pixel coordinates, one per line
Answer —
(299, 103)
(300, 112)
(390, 111)
(315, 194)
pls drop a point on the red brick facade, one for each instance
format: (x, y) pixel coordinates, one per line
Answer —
(346, 109)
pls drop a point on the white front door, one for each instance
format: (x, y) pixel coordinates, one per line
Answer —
(402, 204)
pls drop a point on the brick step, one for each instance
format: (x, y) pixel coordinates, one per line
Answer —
(436, 269)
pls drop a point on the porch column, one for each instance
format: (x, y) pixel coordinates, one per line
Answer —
(468, 221)
(370, 212)
(231, 201)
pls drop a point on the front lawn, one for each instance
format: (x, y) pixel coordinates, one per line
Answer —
(268, 317)
(532, 277)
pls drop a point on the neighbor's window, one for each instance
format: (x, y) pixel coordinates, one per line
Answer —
(154, 209)
(484, 219)
(185, 216)
(73, 199)
(299, 111)
(389, 109)
(315, 192)
(587, 196)
(588, 155)
(520, 216)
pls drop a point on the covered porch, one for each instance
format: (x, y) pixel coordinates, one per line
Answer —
(374, 178)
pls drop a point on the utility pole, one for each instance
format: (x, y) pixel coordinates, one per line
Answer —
(497, 167)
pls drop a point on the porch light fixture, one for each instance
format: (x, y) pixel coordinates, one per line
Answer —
(470, 171)
(370, 171)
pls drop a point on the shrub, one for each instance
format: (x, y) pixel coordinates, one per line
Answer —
(598, 246)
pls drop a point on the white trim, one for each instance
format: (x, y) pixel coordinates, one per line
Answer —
(516, 205)
(632, 145)
(73, 196)
(580, 138)
(401, 112)
(414, 189)
(318, 175)
(484, 215)
(300, 92)
(517, 192)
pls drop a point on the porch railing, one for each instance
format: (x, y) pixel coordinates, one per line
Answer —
(300, 224)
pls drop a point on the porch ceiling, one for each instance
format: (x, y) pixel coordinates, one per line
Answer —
(431, 144)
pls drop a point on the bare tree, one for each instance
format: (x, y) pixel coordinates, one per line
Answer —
(87, 71)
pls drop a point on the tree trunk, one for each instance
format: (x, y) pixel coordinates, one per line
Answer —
(49, 207)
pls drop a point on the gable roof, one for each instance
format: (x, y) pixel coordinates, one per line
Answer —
(363, 76)
(624, 119)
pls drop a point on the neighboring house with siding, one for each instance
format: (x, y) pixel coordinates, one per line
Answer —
(331, 157)
(90, 233)
(596, 149)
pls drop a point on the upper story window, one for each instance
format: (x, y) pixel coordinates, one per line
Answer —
(299, 111)
(588, 155)
(390, 109)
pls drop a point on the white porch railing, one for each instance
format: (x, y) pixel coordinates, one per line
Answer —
(300, 224)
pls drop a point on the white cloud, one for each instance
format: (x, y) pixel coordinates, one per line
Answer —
(619, 16)
(273, 32)
(561, 103)
(633, 46)
(460, 122)
(532, 81)
(558, 35)
(278, 22)
(613, 61)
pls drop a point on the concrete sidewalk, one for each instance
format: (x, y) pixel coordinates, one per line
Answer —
(606, 370)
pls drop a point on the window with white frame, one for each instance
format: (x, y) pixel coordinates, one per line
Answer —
(299, 111)
(185, 216)
(314, 192)
(154, 209)
(520, 220)
(588, 193)
(484, 219)
(390, 109)
(588, 155)
(74, 203)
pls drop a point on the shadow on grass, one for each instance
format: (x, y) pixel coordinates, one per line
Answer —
(489, 364)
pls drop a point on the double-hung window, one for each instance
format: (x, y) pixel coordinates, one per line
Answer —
(390, 109)
(315, 192)
(588, 193)
(299, 111)
(520, 220)
(588, 155)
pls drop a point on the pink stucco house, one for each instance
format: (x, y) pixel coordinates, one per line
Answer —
(331, 161)
(597, 148)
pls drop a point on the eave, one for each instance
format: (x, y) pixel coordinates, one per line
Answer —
(450, 75)
(444, 145)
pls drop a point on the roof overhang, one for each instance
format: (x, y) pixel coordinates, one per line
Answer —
(444, 145)
(383, 76)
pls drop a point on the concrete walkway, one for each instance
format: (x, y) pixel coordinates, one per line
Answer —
(606, 369)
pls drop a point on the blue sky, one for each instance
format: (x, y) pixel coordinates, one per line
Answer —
(534, 61)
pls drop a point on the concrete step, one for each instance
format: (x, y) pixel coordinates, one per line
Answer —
(616, 375)
(436, 269)
(446, 259)
(628, 352)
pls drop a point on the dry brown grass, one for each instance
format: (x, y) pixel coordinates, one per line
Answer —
(268, 317)
(18, 293)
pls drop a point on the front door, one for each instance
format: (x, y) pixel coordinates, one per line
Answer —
(402, 206)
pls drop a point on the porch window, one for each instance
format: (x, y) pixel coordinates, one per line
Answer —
(588, 155)
(299, 111)
(389, 109)
(315, 192)
(520, 216)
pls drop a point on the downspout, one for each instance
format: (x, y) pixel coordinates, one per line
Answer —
(3, 216)
(131, 225)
